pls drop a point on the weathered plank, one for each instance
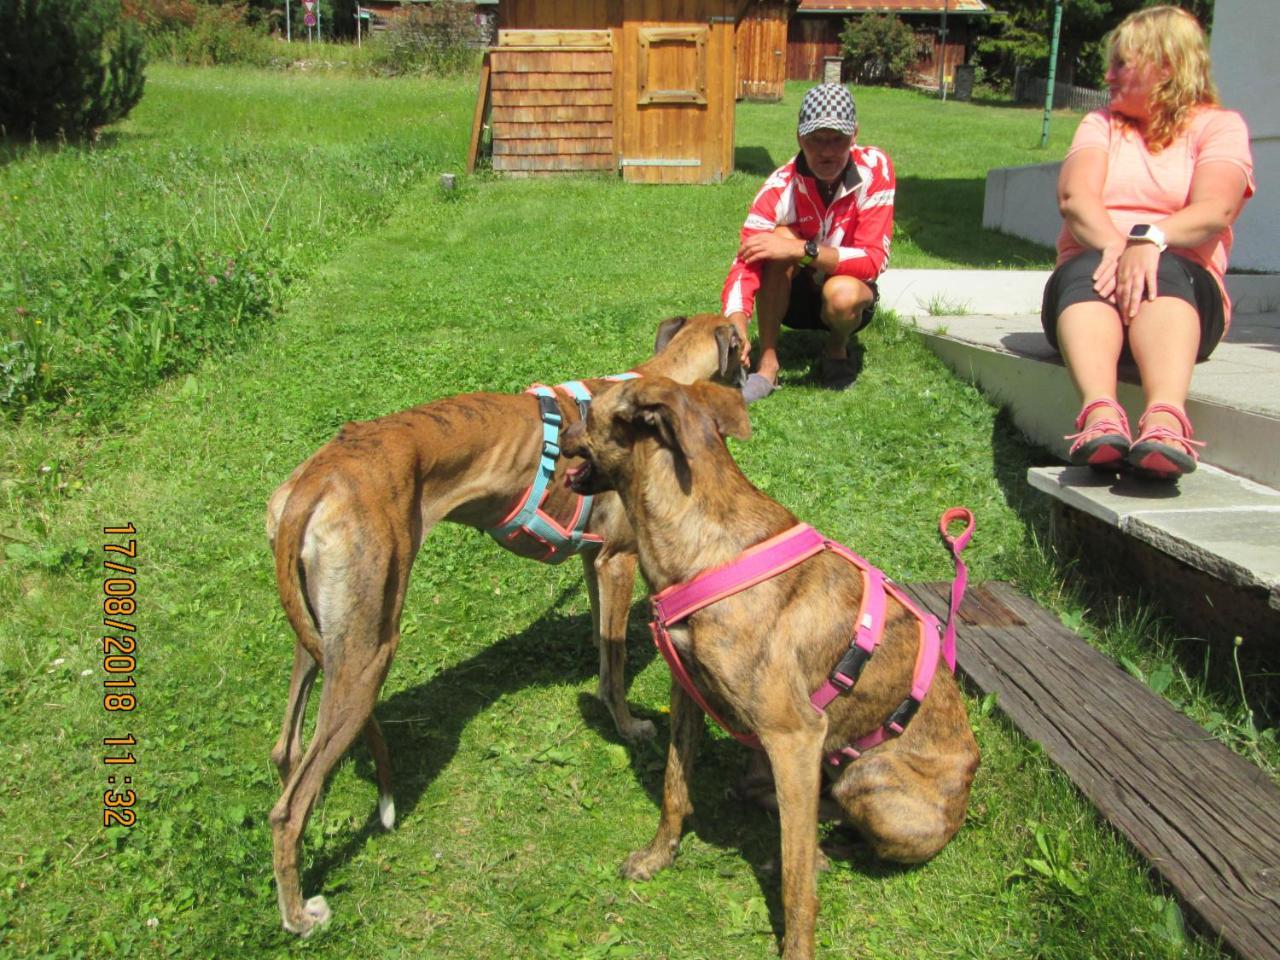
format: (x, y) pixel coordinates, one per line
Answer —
(550, 131)
(551, 61)
(1203, 817)
(555, 38)
(569, 112)
(477, 121)
(554, 98)
(568, 145)
(554, 163)
(543, 80)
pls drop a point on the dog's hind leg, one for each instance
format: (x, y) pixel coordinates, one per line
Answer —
(686, 730)
(382, 767)
(346, 707)
(288, 748)
(610, 577)
(795, 757)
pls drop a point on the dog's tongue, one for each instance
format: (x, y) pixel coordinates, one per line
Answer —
(572, 475)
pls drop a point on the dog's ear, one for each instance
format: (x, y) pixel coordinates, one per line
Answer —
(666, 330)
(726, 407)
(689, 420)
(729, 342)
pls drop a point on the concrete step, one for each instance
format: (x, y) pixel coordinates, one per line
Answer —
(1223, 520)
(1234, 400)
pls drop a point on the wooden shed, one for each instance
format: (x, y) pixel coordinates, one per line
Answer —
(646, 87)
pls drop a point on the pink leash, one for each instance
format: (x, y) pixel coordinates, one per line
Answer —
(781, 553)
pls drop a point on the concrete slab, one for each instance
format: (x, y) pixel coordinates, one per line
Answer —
(1216, 522)
(1234, 400)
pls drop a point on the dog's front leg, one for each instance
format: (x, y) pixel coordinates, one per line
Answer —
(610, 577)
(686, 731)
(797, 772)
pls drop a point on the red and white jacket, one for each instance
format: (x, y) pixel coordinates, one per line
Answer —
(859, 222)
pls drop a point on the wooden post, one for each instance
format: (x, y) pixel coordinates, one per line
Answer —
(482, 108)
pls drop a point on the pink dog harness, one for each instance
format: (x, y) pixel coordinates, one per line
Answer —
(786, 550)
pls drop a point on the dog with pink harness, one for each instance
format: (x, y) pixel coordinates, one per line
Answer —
(751, 609)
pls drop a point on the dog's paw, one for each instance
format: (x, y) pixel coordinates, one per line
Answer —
(315, 914)
(386, 812)
(643, 864)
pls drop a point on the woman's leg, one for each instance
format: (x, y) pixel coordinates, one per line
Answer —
(1090, 339)
(1164, 338)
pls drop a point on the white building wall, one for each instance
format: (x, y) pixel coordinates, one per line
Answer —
(1243, 46)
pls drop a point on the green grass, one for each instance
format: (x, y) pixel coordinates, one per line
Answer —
(516, 801)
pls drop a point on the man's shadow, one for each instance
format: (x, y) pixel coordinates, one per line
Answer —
(800, 356)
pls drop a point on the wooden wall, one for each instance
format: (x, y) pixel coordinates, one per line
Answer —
(762, 51)
(552, 96)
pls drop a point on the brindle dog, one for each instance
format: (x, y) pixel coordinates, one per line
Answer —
(347, 524)
(756, 656)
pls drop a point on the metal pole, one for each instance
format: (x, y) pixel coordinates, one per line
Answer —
(288, 28)
(1053, 70)
(942, 53)
(318, 34)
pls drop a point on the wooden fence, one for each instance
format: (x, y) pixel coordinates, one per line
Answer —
(1029, 89)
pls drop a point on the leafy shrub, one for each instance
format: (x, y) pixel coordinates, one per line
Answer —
(200, 34)
(878, 48)
(441, 39)
(67, 67)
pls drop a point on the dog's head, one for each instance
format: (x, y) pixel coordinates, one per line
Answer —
(648, 417)
(702, 347)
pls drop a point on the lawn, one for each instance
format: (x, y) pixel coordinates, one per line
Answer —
(516, 800)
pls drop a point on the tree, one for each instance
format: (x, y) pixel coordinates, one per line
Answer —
(878, 48)
(67, 67)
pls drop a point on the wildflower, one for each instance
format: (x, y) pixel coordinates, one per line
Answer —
(212, 280)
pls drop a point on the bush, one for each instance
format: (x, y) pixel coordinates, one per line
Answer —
(441, 39)
(878, 48)
(200, 34)
(67, 67)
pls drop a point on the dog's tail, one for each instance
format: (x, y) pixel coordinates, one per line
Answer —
(287, 544)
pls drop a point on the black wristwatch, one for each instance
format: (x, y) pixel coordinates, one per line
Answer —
(810, 253)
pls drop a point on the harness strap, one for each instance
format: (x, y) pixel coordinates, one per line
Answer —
(528, 517)
(781, 553)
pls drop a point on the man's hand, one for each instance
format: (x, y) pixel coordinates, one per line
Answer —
(1136, 278)
(739, 320)
(768, 245)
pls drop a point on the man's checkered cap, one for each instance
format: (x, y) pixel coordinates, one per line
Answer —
(828, 106)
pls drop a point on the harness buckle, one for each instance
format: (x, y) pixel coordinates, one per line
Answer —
(899, 719)
(849, 669)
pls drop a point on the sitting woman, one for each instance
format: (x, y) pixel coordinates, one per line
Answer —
(1148, 193)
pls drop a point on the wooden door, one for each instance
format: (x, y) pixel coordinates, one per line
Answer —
(674, 88)
(762, 52)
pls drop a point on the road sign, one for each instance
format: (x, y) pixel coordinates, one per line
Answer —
(308, 5)
(309, 19)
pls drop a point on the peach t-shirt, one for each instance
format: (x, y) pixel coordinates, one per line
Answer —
(1142, 187)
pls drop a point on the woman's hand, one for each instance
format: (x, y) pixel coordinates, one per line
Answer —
(1104, 277)
(1136, 278)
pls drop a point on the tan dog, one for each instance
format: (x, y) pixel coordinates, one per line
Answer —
(756, 656)
(347, 524)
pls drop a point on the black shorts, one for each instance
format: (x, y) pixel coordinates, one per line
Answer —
(804, 311)
(1176, 276)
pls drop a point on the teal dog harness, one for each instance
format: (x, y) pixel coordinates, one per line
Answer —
(528, 529)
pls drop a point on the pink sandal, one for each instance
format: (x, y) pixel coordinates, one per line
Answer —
(1104, 444)
(1152, 456)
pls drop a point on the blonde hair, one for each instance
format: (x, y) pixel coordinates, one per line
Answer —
(1168, 38)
